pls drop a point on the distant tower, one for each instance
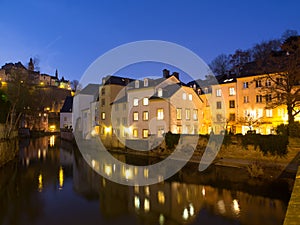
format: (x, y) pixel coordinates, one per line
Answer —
(56, 74)
(31, 65)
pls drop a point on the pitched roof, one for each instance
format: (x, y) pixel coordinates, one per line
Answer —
(168, 91)
(90, 89)
(117, 80)
(68, 104)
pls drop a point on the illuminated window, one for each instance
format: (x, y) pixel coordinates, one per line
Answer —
(135, 133)
(184, 96)
(178, 113)
(103, 115)
(231, 104)
(146, 205)
(187, 114)
(159, 92)
(219, 105)
(145, 133)
(145, 115)
(147, 190)
(160, 114)
(135, 102)
(135, 116)
(268, 83)
(136, 84)
(259, 113)
(231, 91)
(195, 114)
(146, 82)
(190, 97)
(145, 101)
(269, 113)
(179, 129)
(245, 85)
(219, 92)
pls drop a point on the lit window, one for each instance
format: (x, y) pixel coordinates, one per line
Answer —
(145, 133)
(160, 114)
(219, 105)
(187, 114)
(179, 129)
(219, 92)
(159, 92)
(135, 133)
(231, 91)
(184, 96)
(178, 114)
(231, 104)
(103, 115)
(135, 102)
(136, 84)
(245, 85)
(145, 101)
(146, 82)
(269, 112)
(190, 97)
(246, 99)
(145, 115)
(259, 113)
(195, 114)
(135, 116)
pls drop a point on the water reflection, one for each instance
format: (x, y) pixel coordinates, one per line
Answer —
(53, 179)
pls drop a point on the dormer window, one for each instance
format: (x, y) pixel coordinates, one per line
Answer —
(103, 81)
(136, 84)
(145, 82)
(159, 92)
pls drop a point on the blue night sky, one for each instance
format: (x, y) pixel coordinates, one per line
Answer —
(70, 35)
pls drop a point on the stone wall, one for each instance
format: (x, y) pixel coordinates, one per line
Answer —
(8, 150)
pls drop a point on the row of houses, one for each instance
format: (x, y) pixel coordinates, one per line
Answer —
(122, 110)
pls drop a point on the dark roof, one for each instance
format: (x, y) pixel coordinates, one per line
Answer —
(117, 80)
(90, 89)
(68, 104)
(168, 91)
(120, 100)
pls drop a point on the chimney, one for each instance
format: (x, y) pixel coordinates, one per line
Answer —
(175, 74)
(166, 73)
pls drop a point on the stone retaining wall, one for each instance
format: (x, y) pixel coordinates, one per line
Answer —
(8, 150)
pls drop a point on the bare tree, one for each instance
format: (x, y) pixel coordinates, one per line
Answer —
(220, 65)
(75, 85)
(282, 79)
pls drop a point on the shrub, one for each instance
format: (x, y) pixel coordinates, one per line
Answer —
(255, 170)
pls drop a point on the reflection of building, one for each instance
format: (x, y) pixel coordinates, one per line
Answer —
(173, 202)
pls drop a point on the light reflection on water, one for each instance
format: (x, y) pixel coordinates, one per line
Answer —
(58, 187)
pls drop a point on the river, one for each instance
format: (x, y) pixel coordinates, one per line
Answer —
(50, 183)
